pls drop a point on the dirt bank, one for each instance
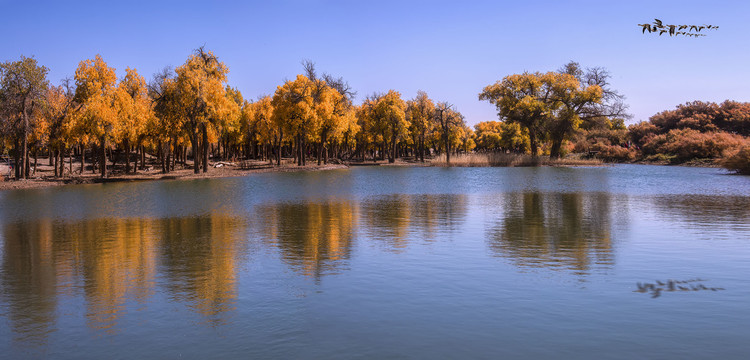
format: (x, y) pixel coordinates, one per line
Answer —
(43, 177)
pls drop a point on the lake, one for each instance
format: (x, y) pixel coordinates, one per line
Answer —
(382, 262)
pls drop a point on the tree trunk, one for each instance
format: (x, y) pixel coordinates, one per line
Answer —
(94, 161)
(392, 154)
(322, 149)
(25, 158)
(555, 150)
(205, 148)
(320, 153)
(196, 157)
(169, 155)
(53, 162)
(127, 156)
(446, 143)
(83, 159)
(61, 161)
(137, 158)
(103, 157)
(278, 153)
(25, 140)
(162, 158)
(421, 147)
(174, 155)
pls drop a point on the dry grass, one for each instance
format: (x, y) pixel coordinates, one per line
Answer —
(510, 160)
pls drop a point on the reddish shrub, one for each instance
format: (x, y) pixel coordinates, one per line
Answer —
(738, 161)
(607, 144)
(734, 117)
(640, 131)
(688, 144)
(613, 153)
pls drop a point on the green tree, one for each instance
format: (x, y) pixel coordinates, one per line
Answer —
(526, 99)
(57, 114)
(585, 100)
(22, 86)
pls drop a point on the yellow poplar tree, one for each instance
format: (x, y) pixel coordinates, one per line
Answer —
(573, 97)
(95, 92)
(200, 85)
(229, 124)
(167, 128)
(294, 113)
(331, 110)
(390, 115)
(368, 134)
(349, 128)
(134, 109)
(260, 115)
(488, 135)
(525, 99)
(419, 114)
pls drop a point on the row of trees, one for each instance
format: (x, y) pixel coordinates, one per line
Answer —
(191, 112)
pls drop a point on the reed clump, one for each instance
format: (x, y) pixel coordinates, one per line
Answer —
(510, 160)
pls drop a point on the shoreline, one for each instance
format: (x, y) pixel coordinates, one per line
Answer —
(46, 181)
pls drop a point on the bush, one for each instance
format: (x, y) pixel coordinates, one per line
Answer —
(613, 153)
(689, 144)
(738, 161)
(641, 131)
(606, 144)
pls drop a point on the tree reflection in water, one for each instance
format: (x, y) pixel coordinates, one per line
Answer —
(200, 257)
(315, 238)
(704, 210)
(29, 280)
(568, 231)
(397, 220)
(113, 264)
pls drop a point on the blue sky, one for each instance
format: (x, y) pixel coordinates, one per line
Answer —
(450, 49)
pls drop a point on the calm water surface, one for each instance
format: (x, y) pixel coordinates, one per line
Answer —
(382, 263)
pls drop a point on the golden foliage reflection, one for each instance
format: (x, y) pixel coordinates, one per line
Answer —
(569, 231)
(113, 263)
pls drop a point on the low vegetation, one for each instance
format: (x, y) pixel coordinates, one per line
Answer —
(695, 131)
(511, 160)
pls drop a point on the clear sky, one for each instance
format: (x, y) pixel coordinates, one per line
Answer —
(450, 49)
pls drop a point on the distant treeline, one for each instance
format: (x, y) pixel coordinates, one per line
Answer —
(191, 114)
